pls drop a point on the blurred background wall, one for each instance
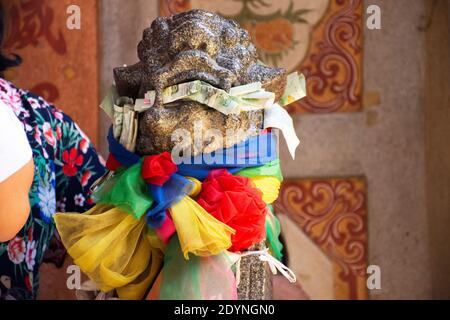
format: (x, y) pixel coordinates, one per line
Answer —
(376, 170)
(394, 142)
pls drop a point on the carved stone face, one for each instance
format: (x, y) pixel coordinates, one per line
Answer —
(194, 45)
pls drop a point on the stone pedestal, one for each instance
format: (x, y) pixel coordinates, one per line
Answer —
(256, 278)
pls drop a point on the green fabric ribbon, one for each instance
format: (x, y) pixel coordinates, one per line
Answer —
(126, 190)
(273, 230)
(271, 168)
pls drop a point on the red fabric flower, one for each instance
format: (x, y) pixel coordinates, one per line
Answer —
(112, 163)
(236, 202)
(71, 159)
(157, 169)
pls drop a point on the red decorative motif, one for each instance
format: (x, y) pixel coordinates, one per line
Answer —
(333, 213)
(72, 160)
(55, 60)
(46, 90)
(168, 7)
(333, 66)
(32, 21)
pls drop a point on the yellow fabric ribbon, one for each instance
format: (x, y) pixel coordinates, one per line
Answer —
(269, 186)
(198, 231)
(117, 251)
(112, 248)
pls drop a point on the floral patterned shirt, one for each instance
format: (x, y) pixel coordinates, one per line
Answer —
(66, 164)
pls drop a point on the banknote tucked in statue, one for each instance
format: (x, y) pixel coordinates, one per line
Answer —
(185, 209)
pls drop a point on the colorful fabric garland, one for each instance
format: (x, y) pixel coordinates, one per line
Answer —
(126, 190)
(254, 152)
(257, 157)
(212, 208)
(242, 206)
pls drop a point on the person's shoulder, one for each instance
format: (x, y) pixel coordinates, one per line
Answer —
(15, 150)
(11, 96)
(20, 99)
(7, 89)
(7, 115)
(5, 83)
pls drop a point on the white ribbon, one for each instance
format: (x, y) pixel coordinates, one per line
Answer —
(277, 117)
(274, 265)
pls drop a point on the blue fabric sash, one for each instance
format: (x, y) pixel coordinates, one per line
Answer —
(253, 152)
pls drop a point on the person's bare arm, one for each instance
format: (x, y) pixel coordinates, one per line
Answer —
(14, 201)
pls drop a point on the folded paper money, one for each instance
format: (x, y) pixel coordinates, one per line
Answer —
(252, 96)
(242, 98)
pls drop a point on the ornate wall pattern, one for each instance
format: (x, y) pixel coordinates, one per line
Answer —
(321, 38)
(333, 213)
(58, 64)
